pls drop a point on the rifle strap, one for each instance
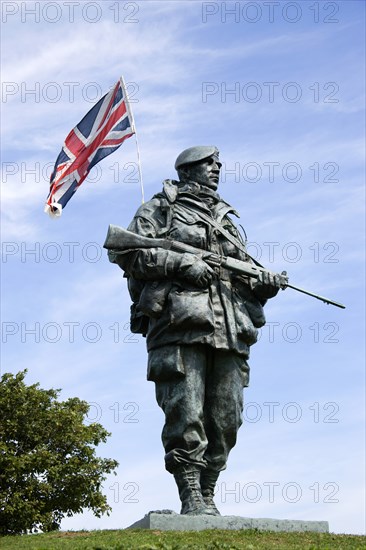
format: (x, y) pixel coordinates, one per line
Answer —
(213, 223)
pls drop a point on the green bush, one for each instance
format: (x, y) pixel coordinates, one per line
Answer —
(48, 466)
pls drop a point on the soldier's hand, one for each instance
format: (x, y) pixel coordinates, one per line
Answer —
(199, 274)
(268, 284)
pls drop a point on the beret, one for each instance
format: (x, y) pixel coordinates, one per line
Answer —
(195, 154)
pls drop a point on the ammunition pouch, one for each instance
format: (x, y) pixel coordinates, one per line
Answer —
(139, 323)
(149, 304)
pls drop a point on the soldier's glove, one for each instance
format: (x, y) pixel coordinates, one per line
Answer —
(194, 271)
(268, 284)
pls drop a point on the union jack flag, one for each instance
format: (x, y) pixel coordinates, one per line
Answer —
(102, 130)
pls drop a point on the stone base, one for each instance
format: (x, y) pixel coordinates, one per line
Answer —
(167, 520)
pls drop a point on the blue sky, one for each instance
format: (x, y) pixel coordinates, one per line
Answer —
(279, 88)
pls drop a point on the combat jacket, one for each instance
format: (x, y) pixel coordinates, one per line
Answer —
(226, 314)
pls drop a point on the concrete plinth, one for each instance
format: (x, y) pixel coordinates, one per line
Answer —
(167, 520)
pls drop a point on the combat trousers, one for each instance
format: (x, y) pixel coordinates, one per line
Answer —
(203, 408)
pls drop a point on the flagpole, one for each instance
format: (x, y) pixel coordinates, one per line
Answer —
(132, 120)
(140, 173)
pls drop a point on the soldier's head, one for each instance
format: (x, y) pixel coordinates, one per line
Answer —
(200, 164)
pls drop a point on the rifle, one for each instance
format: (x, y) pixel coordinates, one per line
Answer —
(120, 241)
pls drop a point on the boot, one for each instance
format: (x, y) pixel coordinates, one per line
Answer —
(208, 482)
(188, 481)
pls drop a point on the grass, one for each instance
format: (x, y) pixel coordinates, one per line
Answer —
(142, 539)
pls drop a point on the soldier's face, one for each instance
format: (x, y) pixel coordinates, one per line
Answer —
(206, 172)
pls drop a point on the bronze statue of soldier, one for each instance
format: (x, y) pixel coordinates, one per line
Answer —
(200, 321)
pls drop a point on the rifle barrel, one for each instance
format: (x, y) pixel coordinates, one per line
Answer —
(325, 300)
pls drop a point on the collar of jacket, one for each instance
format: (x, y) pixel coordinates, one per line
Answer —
(200, 190)
(173, 188)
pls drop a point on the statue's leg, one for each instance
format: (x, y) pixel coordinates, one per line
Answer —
(184, 438)
(187, 479)
(226, 378)
(208, 483)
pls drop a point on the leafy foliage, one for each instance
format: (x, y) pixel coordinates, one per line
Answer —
(48, 466)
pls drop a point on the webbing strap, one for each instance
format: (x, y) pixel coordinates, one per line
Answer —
(221, 230)
(217, 226)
